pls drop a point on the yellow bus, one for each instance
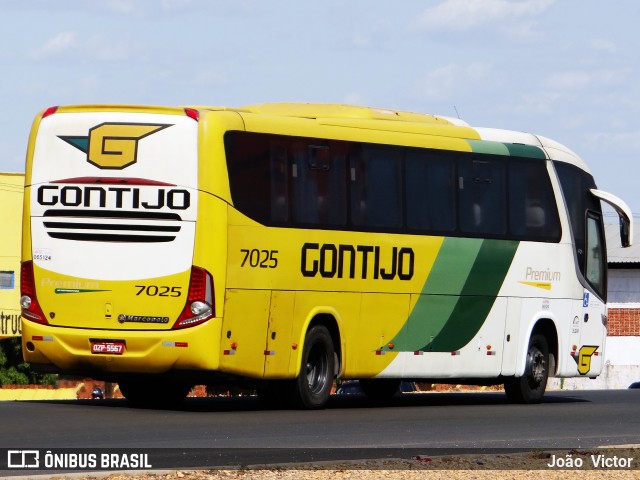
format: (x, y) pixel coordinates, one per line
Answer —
(282, 246)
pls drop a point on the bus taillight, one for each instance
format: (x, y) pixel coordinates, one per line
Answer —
(192, 113)
(49, 111)
(28, 300)
(200, 305)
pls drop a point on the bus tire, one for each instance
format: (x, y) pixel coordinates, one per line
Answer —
(531, 386)
(153, 393)
(380, 390)
(313, 385)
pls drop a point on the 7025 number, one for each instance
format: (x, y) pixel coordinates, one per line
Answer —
(259, 258)
(158, 291)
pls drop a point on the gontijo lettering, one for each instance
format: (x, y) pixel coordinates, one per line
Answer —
(362, 261)
(113, 197)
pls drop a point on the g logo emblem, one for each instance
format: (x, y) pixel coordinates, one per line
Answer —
(113, 146)
(584, 359)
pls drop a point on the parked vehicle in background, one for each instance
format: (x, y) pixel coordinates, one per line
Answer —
(97, 393)
(351, 387)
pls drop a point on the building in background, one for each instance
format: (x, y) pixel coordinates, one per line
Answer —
(623, 341)
(622, 353)
(624, 284)
(11, 191)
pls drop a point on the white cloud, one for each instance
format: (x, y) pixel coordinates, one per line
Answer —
(525, 31)
(353, 98)
(210, 78)
(55, 45)
(539, 103)
(175, 4)
(126, 7)
(360, 40)
(444, 82)
(608, 141)
(579, 80)
(606, 46)
(466, 14)
(120, 6)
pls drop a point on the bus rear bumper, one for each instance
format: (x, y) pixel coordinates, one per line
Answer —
(149, 351)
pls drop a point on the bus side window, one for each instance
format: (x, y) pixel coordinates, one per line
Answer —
(376, 188)
(595, 255)
(533, 214)
(279, 183)
(248, 165)
(575, 185)
(319, 183)
(482, 193)
(430, 193)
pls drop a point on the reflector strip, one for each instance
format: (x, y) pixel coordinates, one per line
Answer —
(380, 352)
(269, 352)
(175, 344)
(491, 352)
(418, 352)
(40, 338)
(229, 352)
(457, 352)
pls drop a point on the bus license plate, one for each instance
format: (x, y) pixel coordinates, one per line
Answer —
(108, 348)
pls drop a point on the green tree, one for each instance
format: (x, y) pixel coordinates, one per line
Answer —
(14, 370)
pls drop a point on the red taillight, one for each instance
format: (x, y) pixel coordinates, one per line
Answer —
(49, 111)
(200, 305)
(192, 113)
(28, 300)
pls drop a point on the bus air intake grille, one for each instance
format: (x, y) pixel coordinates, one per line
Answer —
(112, 226)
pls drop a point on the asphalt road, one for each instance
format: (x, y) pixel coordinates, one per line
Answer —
(241, 428)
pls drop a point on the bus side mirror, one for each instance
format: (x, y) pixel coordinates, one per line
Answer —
(623, 211)
(625, 237)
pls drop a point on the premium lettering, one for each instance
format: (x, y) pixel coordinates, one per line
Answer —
(542, 275)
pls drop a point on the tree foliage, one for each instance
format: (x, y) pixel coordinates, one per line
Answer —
(14, 370)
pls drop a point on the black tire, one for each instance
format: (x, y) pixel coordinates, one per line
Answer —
(531, 386)
(313, 385)
(380, 390)
(153, 393)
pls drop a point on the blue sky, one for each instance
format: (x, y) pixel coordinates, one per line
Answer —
(565, 69)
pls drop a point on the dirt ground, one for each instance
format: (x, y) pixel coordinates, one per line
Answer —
(465, 467)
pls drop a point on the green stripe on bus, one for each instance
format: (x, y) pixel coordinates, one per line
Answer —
(452, 266)
(510, 149)
(483, 146)
(527, 151)
(445, 319)
(440, 293)
(477, 296)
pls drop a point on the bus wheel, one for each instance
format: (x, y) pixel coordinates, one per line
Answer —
(142, 393)
(380, 390)
(531, 386)
(313, 385)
